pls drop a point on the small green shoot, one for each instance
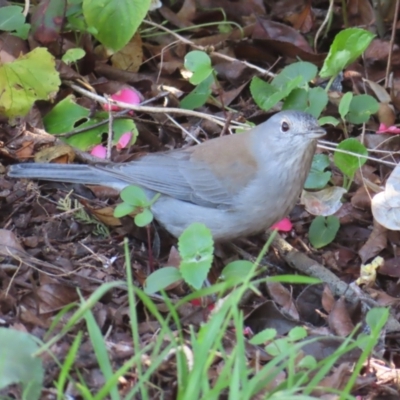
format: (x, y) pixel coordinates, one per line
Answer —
(199, 63)
(196, 249)
(73, 55)
(135, 201)
(311, 100)
(303, 69)
(264, 336)
(318, 177)
(323, 230)
(344, 105)
(347, 46)
(361, 108)
(328, 120)
(349, 163)
(18, 364)
(234, 270)
(291, 84)
(203, 76)
(199, 95)
(266, 95)
(357, 109)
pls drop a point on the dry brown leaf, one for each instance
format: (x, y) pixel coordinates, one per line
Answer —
(9, 244)
(267, 315)
(339, 318)
(328, 300)
(62, 154)
(283, 297)
(130, 58)
(25, 151)
(105, 215)
(362, 198)
(376, 242)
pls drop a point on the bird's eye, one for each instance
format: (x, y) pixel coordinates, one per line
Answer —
(285, 126)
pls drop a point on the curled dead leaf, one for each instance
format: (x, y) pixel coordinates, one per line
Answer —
(324, 202)
(386, 204)
(9, 244)
(62, 154)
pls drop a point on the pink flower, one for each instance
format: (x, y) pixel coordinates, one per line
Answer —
(283, 225)
(126, 95)
(99, 151)
(124, 140)
(388, 129)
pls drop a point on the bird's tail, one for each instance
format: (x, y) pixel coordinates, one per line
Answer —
(73, 173)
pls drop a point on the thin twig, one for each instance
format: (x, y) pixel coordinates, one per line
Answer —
(391, 43)
(118, 115)
(375, 150)
(172, 110)
(183, 129)
(110, 133)
(358, 155)
(212, 53)
(328, 13)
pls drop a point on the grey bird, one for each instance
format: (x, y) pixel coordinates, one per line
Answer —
(237, 185)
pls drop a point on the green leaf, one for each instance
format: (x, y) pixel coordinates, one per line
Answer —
(265, 335)
(29, 78)
(72, 55)
(67, 116)
(144, 218)
(347, 46)
(323, 230)
(375, 315)
(199, 95)
(11, 18)
(344, 105)
(328, 120)
(115, 22)
(91, 137)
(196, 248)
(17, 365)
(135, 196)
(161, 279)
(297, 333)
(236, 269)
(308, 362)
(348, 163)
(318, 177)
(278, 347)
(297, 100)
(123, 209)
(23, 31)
(64, 115)
(318, 99)
(303, 69)
(312, 101)
(361, 109)
(199, 63)
(266, 95)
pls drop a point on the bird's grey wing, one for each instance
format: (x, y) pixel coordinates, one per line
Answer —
(177, 175)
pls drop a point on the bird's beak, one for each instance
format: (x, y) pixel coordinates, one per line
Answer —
(316, 133)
